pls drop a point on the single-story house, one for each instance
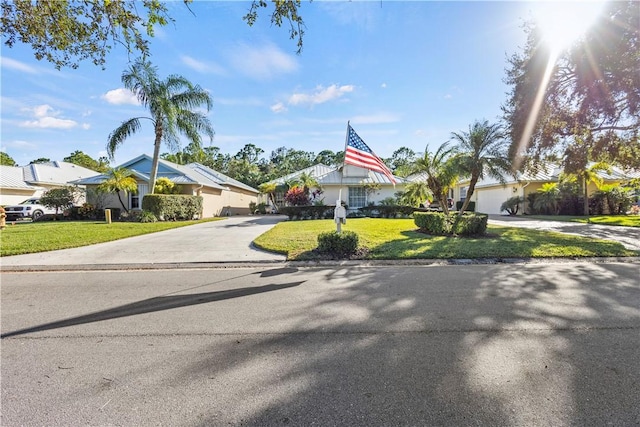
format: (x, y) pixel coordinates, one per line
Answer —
(490, 194)
(18, 183)
(221, 194)
(357, 187)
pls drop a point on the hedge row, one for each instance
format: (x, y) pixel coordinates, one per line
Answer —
(469, 224)
(171, 207)
(389, 211)
(307, 212)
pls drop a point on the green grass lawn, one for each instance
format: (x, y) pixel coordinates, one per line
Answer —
(28, 237)
(398, 239)
(621, 220)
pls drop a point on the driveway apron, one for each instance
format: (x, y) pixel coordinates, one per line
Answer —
(228, 240)
(629, 237)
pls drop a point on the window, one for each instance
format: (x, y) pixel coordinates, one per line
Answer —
(357, 197)
(136, 199)
(463, 193)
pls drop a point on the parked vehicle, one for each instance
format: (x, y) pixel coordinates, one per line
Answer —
(30, 208)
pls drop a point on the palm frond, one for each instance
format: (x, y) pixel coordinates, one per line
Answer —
(122, 132)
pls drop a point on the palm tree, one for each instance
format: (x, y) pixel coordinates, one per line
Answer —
(441, 172)
(482, 150)
(170, 103)
(307, 181)
(269, 188)
(587, 175)
(547, 198)
(120, 179)
(416, 193)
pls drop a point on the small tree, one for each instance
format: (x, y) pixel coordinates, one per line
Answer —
(166, 186)
(119, 180)
(546, 200)
(512, 205)
(59, 198)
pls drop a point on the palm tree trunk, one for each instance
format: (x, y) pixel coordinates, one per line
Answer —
(156, 157)
(121, 202)
(470, 191)
(586, 197)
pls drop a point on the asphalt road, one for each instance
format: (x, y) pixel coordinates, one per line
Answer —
(524, 344)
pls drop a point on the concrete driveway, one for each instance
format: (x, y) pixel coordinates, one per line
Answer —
(228, 240)
(629, 237)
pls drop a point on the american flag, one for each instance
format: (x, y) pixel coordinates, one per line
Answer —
(359, 154)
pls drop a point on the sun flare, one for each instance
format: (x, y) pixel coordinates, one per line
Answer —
(562, 23)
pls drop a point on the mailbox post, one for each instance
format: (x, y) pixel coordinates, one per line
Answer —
(339, 216)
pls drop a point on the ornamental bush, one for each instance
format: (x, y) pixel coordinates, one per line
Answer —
(338, 245)
(437, 223)
(171, 207)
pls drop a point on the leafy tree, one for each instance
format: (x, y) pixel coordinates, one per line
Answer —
(59, 198)
(287, 160)
(481, 152)
(170, 103)
(586, 175)
(401, 161)
(166, 186)
(68, 32)
(6, 160)
(40, 160)
(81, 159)
(327, 157)
(441, 172)
(120, 179)
(588, 110)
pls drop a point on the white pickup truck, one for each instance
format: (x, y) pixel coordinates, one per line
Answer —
(30, 208)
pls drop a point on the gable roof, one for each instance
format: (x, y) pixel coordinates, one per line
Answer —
(191, 174)
(328, 175)
(58, 173)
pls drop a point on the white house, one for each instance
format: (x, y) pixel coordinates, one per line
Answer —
(18, 183)
(357, 187)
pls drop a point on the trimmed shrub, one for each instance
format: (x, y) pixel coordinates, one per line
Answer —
(437, 223)
(338, 245)
(147, 216)
(171, 207)
(307, 212)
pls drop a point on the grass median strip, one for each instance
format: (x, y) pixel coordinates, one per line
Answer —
(399, 239)
(26, 238)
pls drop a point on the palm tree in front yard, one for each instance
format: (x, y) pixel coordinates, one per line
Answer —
(171, 103)
(441, 172)
(119, 180)
(482, 151)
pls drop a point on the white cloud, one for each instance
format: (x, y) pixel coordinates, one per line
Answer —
(278, 108)
(262, 63)
(22, 145)
(121, 96)
(86, 126)
(47, 118)
(383, 85)
(320, 95)
(12, 64)
(448, 96)
(202, 67)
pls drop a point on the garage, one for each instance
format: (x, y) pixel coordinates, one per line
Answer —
(489, 200)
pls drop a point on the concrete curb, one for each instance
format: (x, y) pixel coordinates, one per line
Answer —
(314, 264)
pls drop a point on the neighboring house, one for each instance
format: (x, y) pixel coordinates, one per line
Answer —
(221, 194)
(490, 194)
(18, 183)
(357, 187)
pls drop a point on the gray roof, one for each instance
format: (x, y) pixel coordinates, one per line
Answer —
(191, 174)
(327, 175)
(55, 173)
(13, 177)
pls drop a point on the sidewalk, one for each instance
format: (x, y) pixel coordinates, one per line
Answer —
(225, 241)
(629, 237)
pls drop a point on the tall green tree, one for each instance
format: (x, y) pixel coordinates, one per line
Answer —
(401, 161)
(120, 180)
(416, 193)
(482, 151)
(582, 103)
(585, 176)
(81, 159)
(171, 104)
(6, 160)
(440, 171)
(68, 32)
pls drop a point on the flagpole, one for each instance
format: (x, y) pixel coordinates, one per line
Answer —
(346, 141)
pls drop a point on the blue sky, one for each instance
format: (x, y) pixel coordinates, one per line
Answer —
(404, 73)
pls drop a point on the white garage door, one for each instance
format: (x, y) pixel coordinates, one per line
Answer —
(490, 200)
